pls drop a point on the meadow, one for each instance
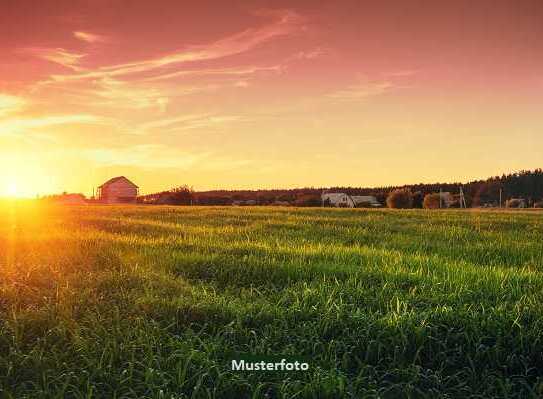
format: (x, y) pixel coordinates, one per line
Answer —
(137, 302)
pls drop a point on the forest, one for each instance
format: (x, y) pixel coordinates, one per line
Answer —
(525, 184)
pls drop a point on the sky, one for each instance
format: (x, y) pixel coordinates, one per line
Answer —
(267, 94)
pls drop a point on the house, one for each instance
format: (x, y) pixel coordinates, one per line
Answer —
(342, 200)
(118, 190)
(339, 200)
(365, 200)
(516, 203)
(447, 199)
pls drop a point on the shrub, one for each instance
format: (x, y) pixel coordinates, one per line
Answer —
(431, 201)
(418, 199)
(400, 198)
(308, 200)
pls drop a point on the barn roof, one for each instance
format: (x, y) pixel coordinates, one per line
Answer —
(116, 179)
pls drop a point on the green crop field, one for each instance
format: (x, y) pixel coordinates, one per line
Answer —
(134, 302)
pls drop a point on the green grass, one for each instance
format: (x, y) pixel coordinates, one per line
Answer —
(132, 302)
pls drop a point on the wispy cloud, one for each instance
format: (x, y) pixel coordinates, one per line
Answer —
(311, 54)
(285, 23)
(402, 73)
(14, 122)
(234, 71)
(59, 56)
(157, 156)
(89, 37)
(362, 91)
(25, 125)
(112, 92)
(10, 104)
(193, 121)
(146, 156)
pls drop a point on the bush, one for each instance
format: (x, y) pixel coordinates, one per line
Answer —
(308, 200)
(400, 198)
(431, 201)
(418, 199)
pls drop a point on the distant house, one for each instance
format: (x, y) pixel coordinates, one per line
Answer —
(516, 203)
(118, 190)
(447, 199)
(366, 200)
(342, 200)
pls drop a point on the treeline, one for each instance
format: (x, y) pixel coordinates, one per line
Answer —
(525, 184)
(181, 195)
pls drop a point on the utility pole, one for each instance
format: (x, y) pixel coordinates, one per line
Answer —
(500, 197)
(462, 199)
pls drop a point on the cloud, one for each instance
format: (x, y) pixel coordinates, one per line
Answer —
(402, 73)
(193, 121)
(10, 104)
(23, 126)
(20, 125)
(157, 156)
(112, 92)
(59, 56)
(285, 23)
(362, 91)
(311, 54)
(146, 156)
(234, 71)
(89, 37)
(241, 83)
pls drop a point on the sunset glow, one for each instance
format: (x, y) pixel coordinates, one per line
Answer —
(267, 94)
(12, 190)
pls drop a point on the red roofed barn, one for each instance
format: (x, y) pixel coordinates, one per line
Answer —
(118, 190)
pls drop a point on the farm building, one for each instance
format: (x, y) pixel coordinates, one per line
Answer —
(368, 200)
(342, 200)
(516, 203)
(118, 190)
(447, 199)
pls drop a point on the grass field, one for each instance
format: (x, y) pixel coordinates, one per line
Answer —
(132, 302)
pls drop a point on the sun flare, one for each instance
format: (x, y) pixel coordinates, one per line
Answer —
(12, 189)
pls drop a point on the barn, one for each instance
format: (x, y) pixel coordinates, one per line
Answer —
(118, 190)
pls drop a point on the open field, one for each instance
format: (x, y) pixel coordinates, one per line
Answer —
(151, 302)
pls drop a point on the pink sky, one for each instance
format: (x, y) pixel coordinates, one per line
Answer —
(266, 94)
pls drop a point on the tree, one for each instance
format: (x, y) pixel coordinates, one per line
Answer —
(432, 201)
(308, 200)
(400, 198)
(418, 199)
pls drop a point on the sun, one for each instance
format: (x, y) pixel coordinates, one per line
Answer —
(12, 190)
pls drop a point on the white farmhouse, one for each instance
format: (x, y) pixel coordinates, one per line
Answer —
(365, 199)
(342, 200)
